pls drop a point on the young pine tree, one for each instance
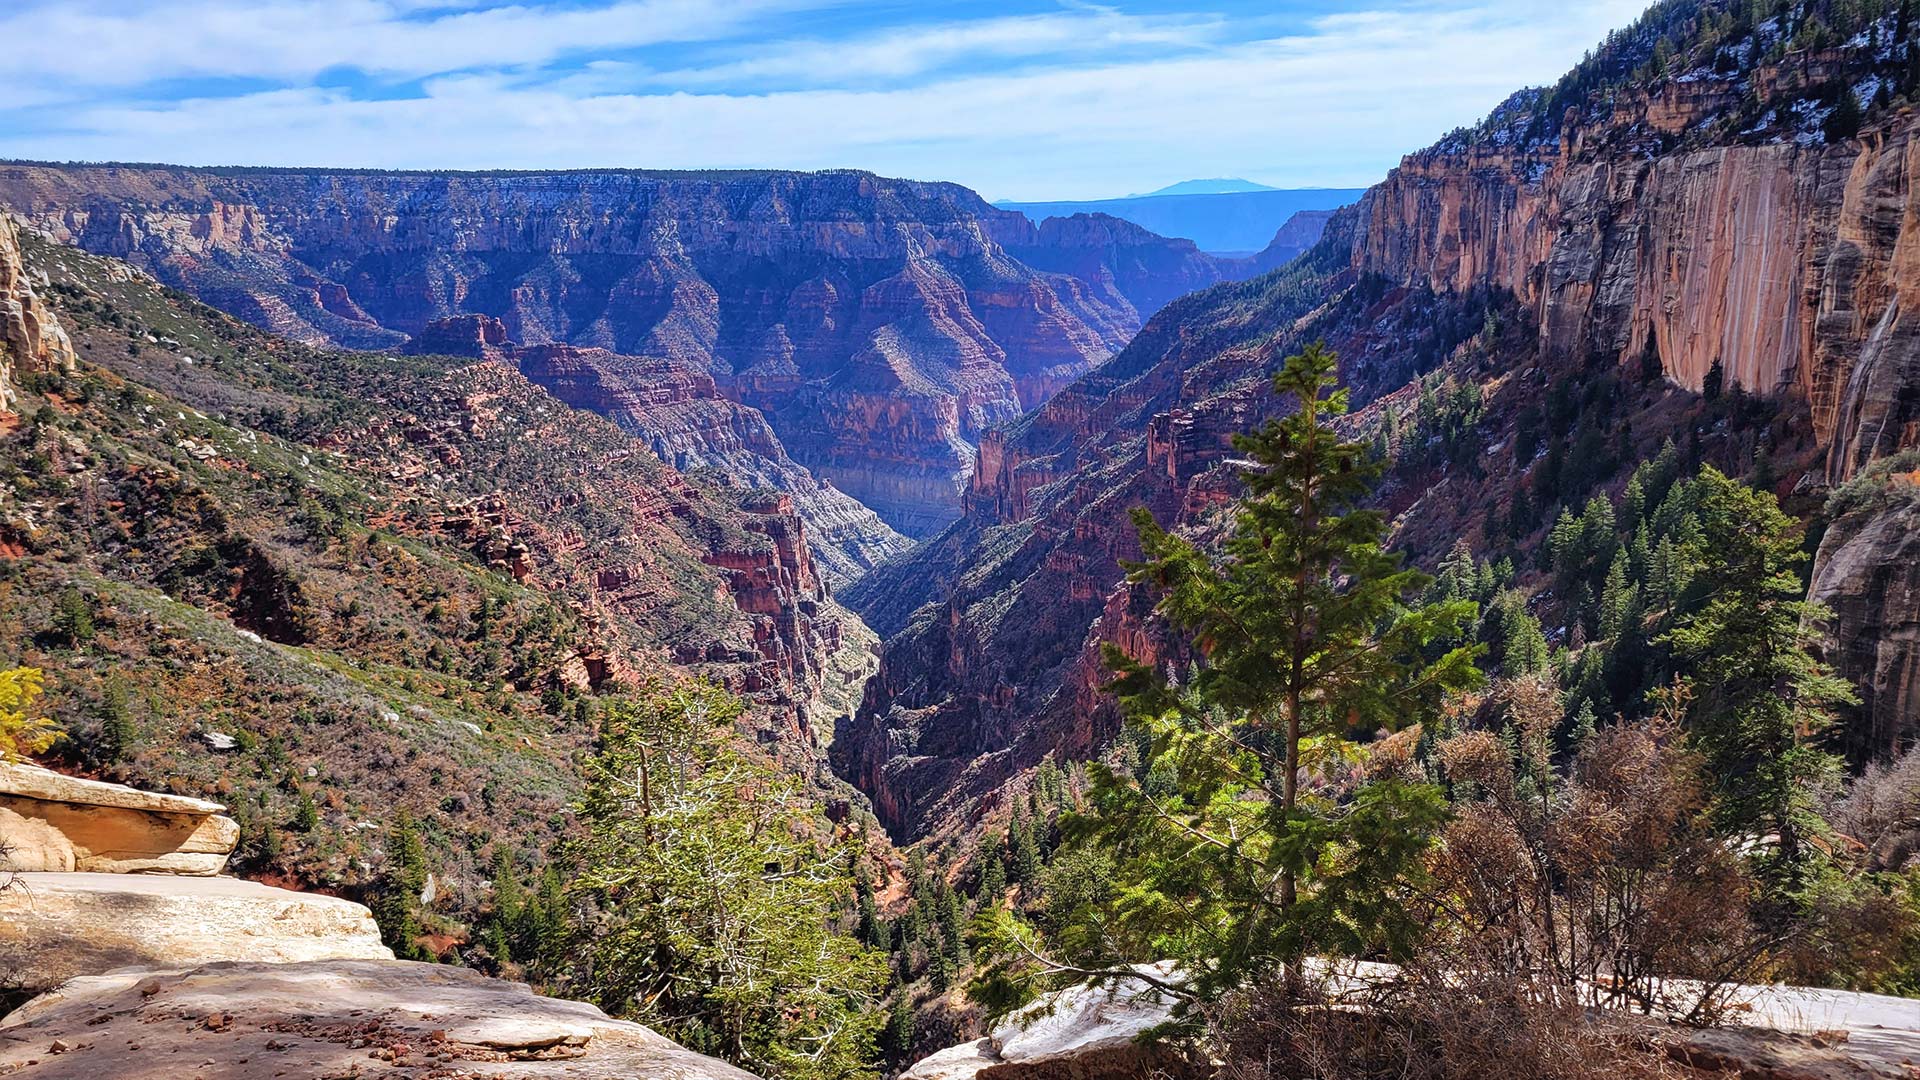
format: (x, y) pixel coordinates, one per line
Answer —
(1307, 633)
(716, 902)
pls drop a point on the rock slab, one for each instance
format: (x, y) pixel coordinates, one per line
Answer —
(335, 1018)
(54, 927)
(54, 823)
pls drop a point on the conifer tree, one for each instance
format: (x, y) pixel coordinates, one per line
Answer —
(1524, 644)
(1309, 633)
(1760, 698)
(715, 899)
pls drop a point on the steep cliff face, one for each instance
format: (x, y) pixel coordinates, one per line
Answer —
(573, 506)
(688, 424)
(993, 628)
(31, 338)
(1868, 575)
(1788, 265)
(879, 325)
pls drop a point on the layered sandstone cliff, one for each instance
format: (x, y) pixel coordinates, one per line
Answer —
(664, 570)
(690, 425)
(1788, 263)
(879, 325)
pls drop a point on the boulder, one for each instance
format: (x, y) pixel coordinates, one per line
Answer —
(963, 1062)
(242, 1021)
(54, 927)
(50, 822)
(1081, 1033)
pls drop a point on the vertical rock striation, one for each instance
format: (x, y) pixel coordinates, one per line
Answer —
(1704, 226)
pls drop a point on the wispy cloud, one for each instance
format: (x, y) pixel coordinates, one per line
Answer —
(1062, 103)
(913, 51)
(117, 44)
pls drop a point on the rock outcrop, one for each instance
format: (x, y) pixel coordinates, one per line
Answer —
(31, 338)
(687, 423)
(1084, 1032)
(1791, 265)
(341, 1017)
(879, 325)
(54, 927)
(51, 822)
(1867, 573)
(667, 570)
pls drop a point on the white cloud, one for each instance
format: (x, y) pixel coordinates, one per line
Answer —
(1335, 105)
(109, 44)
(910, 51)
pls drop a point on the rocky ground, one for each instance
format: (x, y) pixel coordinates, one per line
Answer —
(329, 1018)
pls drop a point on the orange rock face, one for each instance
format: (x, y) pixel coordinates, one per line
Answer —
(1790, 266)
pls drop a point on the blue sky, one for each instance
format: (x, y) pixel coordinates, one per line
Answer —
(1031, 99)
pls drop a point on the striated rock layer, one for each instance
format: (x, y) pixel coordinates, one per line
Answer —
(55, 823)
(1790, 265)
(577, 507)
(879, 325)
(54, 927)
(688, 424)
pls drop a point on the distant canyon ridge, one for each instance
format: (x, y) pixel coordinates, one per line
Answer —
(839, 335)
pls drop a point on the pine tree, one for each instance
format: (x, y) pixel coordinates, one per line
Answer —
(1524, 645)
(73, 625)
(897, 1038)
(1307, 634)
(1023, 859)
(306, 813)
(503, 918)
(1760, 698)
(1617, 599)
(716, 902)
(993, 877)
(118, 735)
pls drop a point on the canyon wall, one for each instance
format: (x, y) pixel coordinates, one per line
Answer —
(1790, 264)
(879, 325)
(688, 424)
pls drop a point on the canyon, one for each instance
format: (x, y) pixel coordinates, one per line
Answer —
(1701, 227)
(383, 568)
(879, 326)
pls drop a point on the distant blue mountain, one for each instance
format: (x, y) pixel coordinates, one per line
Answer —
(1207, 187)
(1237, 222)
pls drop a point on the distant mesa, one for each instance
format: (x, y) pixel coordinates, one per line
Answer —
(1223, 186)
(1221, 217)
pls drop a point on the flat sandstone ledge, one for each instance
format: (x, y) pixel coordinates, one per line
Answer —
(54, 927)
(54, 823)
(331, 1018)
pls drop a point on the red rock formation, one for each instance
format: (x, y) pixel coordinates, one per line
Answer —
(1658, 219)
(718, 581)
(878, 325)
(1791, 265)
(686, 422)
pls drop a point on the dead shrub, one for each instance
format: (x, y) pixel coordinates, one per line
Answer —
(1436, 1030)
